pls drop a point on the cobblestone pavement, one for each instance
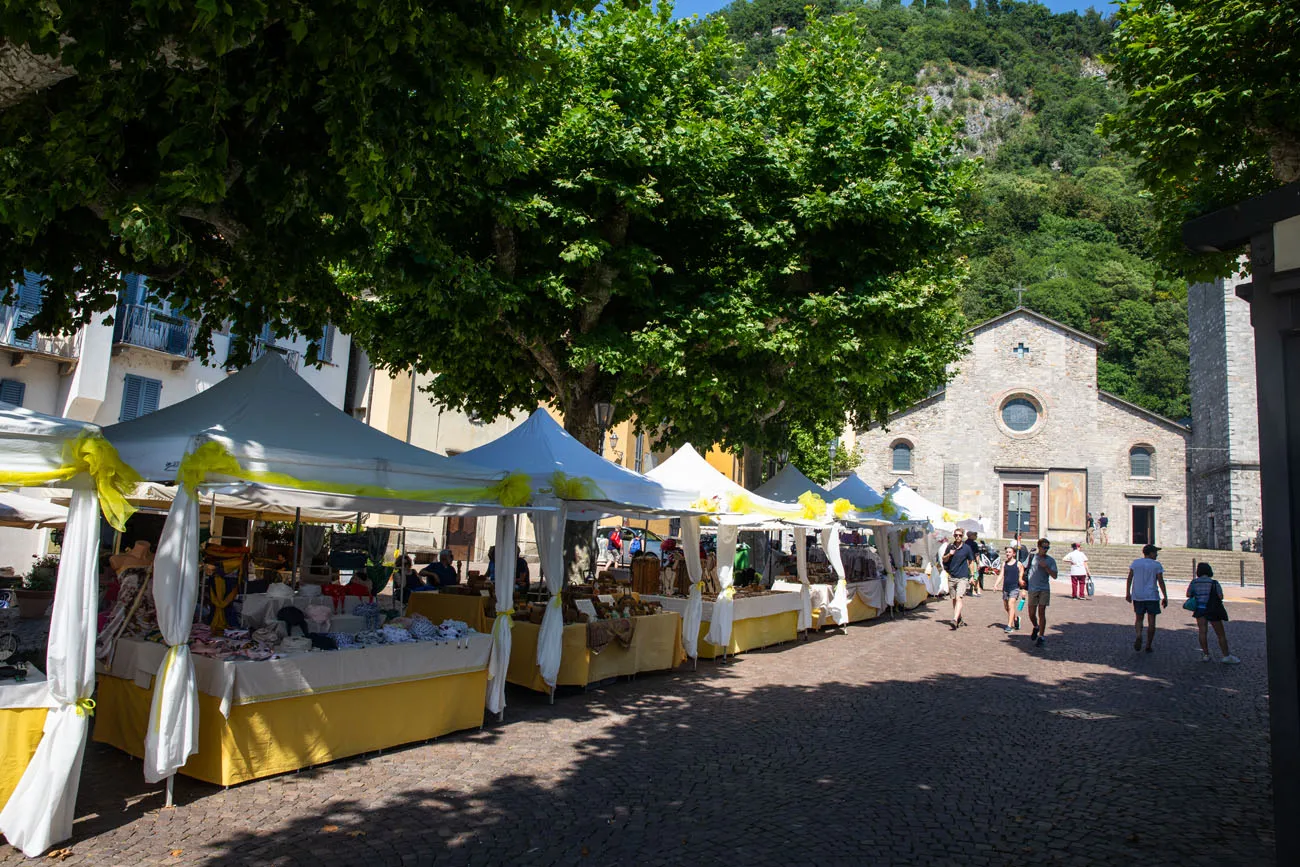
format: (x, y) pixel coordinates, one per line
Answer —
(899, 742)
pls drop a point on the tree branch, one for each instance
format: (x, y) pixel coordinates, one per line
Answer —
(545, 359)
(598, 280)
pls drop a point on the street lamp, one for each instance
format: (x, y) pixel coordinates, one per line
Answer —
(613, 443)
(783, 456)
(835, 447)
(604, 415)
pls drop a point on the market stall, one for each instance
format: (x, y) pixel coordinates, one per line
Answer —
(759, 620)
(40, 450)
(599, 650)
(260, 718)
(906, 585)
(474, 609)
(24, 706)
(582, 486)
(266, 436)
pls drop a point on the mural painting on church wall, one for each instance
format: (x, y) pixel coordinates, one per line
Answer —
(1067, 499)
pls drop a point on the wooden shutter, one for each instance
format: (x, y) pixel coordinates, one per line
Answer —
(12, 391)
(139, 396)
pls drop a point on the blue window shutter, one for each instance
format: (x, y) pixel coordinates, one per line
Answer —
(139, 396)
(12, 391)
(29, 292)
(130, 398)
(150, 391)
(135, 289)
(327, 344)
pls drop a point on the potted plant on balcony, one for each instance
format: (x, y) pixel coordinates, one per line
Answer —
(37, 592)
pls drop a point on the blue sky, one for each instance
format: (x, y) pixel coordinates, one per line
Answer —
(704, 7)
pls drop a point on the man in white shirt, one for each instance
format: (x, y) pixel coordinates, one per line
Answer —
(1145, 589)
(1079, 573)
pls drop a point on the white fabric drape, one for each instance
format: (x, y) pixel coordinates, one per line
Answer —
(548, 527)
(801, 569)
(695, 601)
(894, 538)
(724, 607)
(173, 734)
(40, 811)
(840, 598)
(504, 569)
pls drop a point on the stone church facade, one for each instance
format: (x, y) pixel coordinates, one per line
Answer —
(1223, 460)
(1023, 437)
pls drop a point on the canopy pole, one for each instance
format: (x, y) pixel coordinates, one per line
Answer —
(297, 529)
(171, 782)
(212, 516)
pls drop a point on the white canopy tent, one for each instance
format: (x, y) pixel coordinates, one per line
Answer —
(584, 486)
(789, 485)
(36, 450)
(267, 436)
(736, 507)
(30, 513)
(918, 508)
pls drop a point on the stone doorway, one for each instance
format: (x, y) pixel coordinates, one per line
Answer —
(1144, 525)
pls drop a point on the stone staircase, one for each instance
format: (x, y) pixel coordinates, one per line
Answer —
(1112, 561)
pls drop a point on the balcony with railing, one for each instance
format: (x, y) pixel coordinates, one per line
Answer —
(261, 346)
(149, 328)
(13, 318)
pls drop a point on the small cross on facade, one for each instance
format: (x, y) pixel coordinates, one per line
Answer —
(1020, 295)
(1021, 352)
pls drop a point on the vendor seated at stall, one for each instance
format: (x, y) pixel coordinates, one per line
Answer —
(441, 573)
(521, 567)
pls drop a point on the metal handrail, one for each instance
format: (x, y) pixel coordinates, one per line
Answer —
(141, 325)
(262, 346)
(13, 318)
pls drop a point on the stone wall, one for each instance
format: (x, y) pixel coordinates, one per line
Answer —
(1224, 454)
(1078, 429)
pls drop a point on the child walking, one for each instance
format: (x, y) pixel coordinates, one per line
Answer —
(1208, 594)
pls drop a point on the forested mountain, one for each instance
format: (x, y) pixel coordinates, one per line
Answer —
(1062, 215)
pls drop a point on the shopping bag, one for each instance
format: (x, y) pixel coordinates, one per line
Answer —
(1092, 589)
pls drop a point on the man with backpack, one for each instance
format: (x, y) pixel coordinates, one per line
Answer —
(1041, 570)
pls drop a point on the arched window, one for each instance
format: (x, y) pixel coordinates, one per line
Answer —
(1140, 461)
(1019, 414)
(902, 457)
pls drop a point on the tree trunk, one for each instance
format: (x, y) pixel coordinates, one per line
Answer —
(580, 536)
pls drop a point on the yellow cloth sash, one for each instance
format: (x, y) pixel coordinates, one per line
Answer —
(214, 459)
(95, 456)
(567, 487)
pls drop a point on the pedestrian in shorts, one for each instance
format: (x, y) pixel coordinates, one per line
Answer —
(1041, 570)
(1013, 580)
(958, 561)
(1146, 590)
(1208, 594)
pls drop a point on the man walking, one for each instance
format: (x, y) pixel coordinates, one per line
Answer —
(1042, 569)
(957, 560)
(1079, 573)
(1103, 524)
(1146, 590)
(1090, 527)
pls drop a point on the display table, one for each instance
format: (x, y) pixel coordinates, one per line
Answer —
(759, 621)
(23, 707)
(656, 646)
(471, 610)
(866, 600)
(257, 719)
(917, 591)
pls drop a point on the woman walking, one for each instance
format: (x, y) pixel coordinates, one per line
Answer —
(1209, 611)
(1012, 582)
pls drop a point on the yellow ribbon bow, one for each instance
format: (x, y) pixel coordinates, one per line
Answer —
(729, 593)
(85, 707)
(90, 453)
(567, 487)
(814, 507)
(742, 503)
(841, 507)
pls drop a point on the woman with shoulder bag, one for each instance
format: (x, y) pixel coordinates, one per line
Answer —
(1205, 601)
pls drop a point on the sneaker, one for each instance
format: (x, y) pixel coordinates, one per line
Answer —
(1205, 657)
(953, 624)
(1007, 629)
(1137, 644)
(1034, 635)
(1228, 660)
(1041, 641)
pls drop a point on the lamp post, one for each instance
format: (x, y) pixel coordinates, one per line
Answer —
(783, 456)
(604, 415)
(613, 446)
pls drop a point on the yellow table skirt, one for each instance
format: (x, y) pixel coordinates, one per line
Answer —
(20, 735)
(916, 594)
(753, 632)
(451, 606)
(273, 737)
(656, 646)
(858, 611)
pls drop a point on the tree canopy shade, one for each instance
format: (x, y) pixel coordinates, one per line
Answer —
(711, 252)
(1213, 109)
(235, 153)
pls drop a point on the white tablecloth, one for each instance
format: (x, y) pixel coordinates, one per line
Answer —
(746, 606)
(248, 682)
(820, 594)
(871, 592)
(32, 692)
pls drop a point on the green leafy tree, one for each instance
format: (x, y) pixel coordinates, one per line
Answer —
(1213, 108)
(235, 153)
(712, 254)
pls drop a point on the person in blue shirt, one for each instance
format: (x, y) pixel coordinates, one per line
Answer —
(441, 573)
(957, 560)
(1209, 611)
(1039, 573)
